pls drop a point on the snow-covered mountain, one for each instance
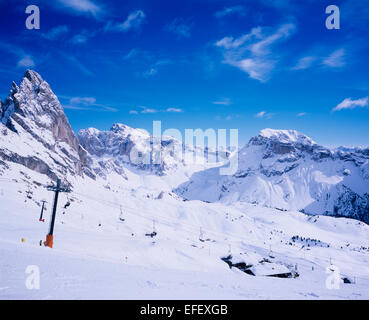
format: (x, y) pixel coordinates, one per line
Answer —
(36, 133)
(287, 170)
(103, 239)
(123, 146)
(282, 169)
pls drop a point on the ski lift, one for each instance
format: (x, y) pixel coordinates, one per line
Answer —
(68, 203)
(201, 236)
(29, 193)
(121, 215)
(153, 233)
(43, 208)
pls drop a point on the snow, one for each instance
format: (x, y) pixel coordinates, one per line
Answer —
(253, 216)
(107, 262)
(297, 179)
(286, 136)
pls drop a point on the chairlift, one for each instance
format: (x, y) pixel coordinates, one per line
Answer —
(153, 233)
(121, 215)
(68, 203)
(201, 236)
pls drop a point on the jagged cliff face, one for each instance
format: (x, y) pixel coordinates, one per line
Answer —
(287, 170)
(33, 116)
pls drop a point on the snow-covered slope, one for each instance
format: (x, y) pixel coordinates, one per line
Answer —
(103, 243)
(287, 170)
(101, 250)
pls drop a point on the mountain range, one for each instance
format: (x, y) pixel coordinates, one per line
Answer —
(281, 169)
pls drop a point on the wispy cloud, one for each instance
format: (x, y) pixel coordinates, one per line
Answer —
(304, 63)
(174, 110)
(138, 54)
(154, 68)
(301, 114)
(336, 59)
(83, 101)
(227, 117)
(77, 64)
(260, 114)
(146, 110)
(240, 10)
(224, 102)
(149, 110)
(180, 27)
(280, 4)
(55, 33)
(87, 104)
(134, 21)
(264, 114)
(81, 6)
(82, 37)
(352, 104)
(252, 52)
(26, 62)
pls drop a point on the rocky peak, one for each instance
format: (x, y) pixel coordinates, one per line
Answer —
(280, 142)
(286, 136)
(33, 109)
(119, 127)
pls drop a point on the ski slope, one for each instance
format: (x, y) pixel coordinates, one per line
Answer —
(117, 261)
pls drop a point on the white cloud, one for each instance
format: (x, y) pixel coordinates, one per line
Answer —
(260, 114)
(262, 47)
(264, 114)
(336, 59)
(257, 68)
(146, 110)
(83, 100)
(251, 52)
(150, 72)
(175, 110)
(81, 6)
(26, 62)
(154, 68)
(149, 110)
(55, 33)
(224, 102)
(180, 27)
(352, 104)
(240, 10)
(134, 20)
(83, 36)
(86, 104)
(304, 63)
(231, 43)
(301, 114)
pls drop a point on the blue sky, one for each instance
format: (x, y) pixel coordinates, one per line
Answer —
(198, 64)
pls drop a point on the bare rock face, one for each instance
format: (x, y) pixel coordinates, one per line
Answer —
(32, 110)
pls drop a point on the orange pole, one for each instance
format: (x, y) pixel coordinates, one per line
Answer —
(49, 240)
